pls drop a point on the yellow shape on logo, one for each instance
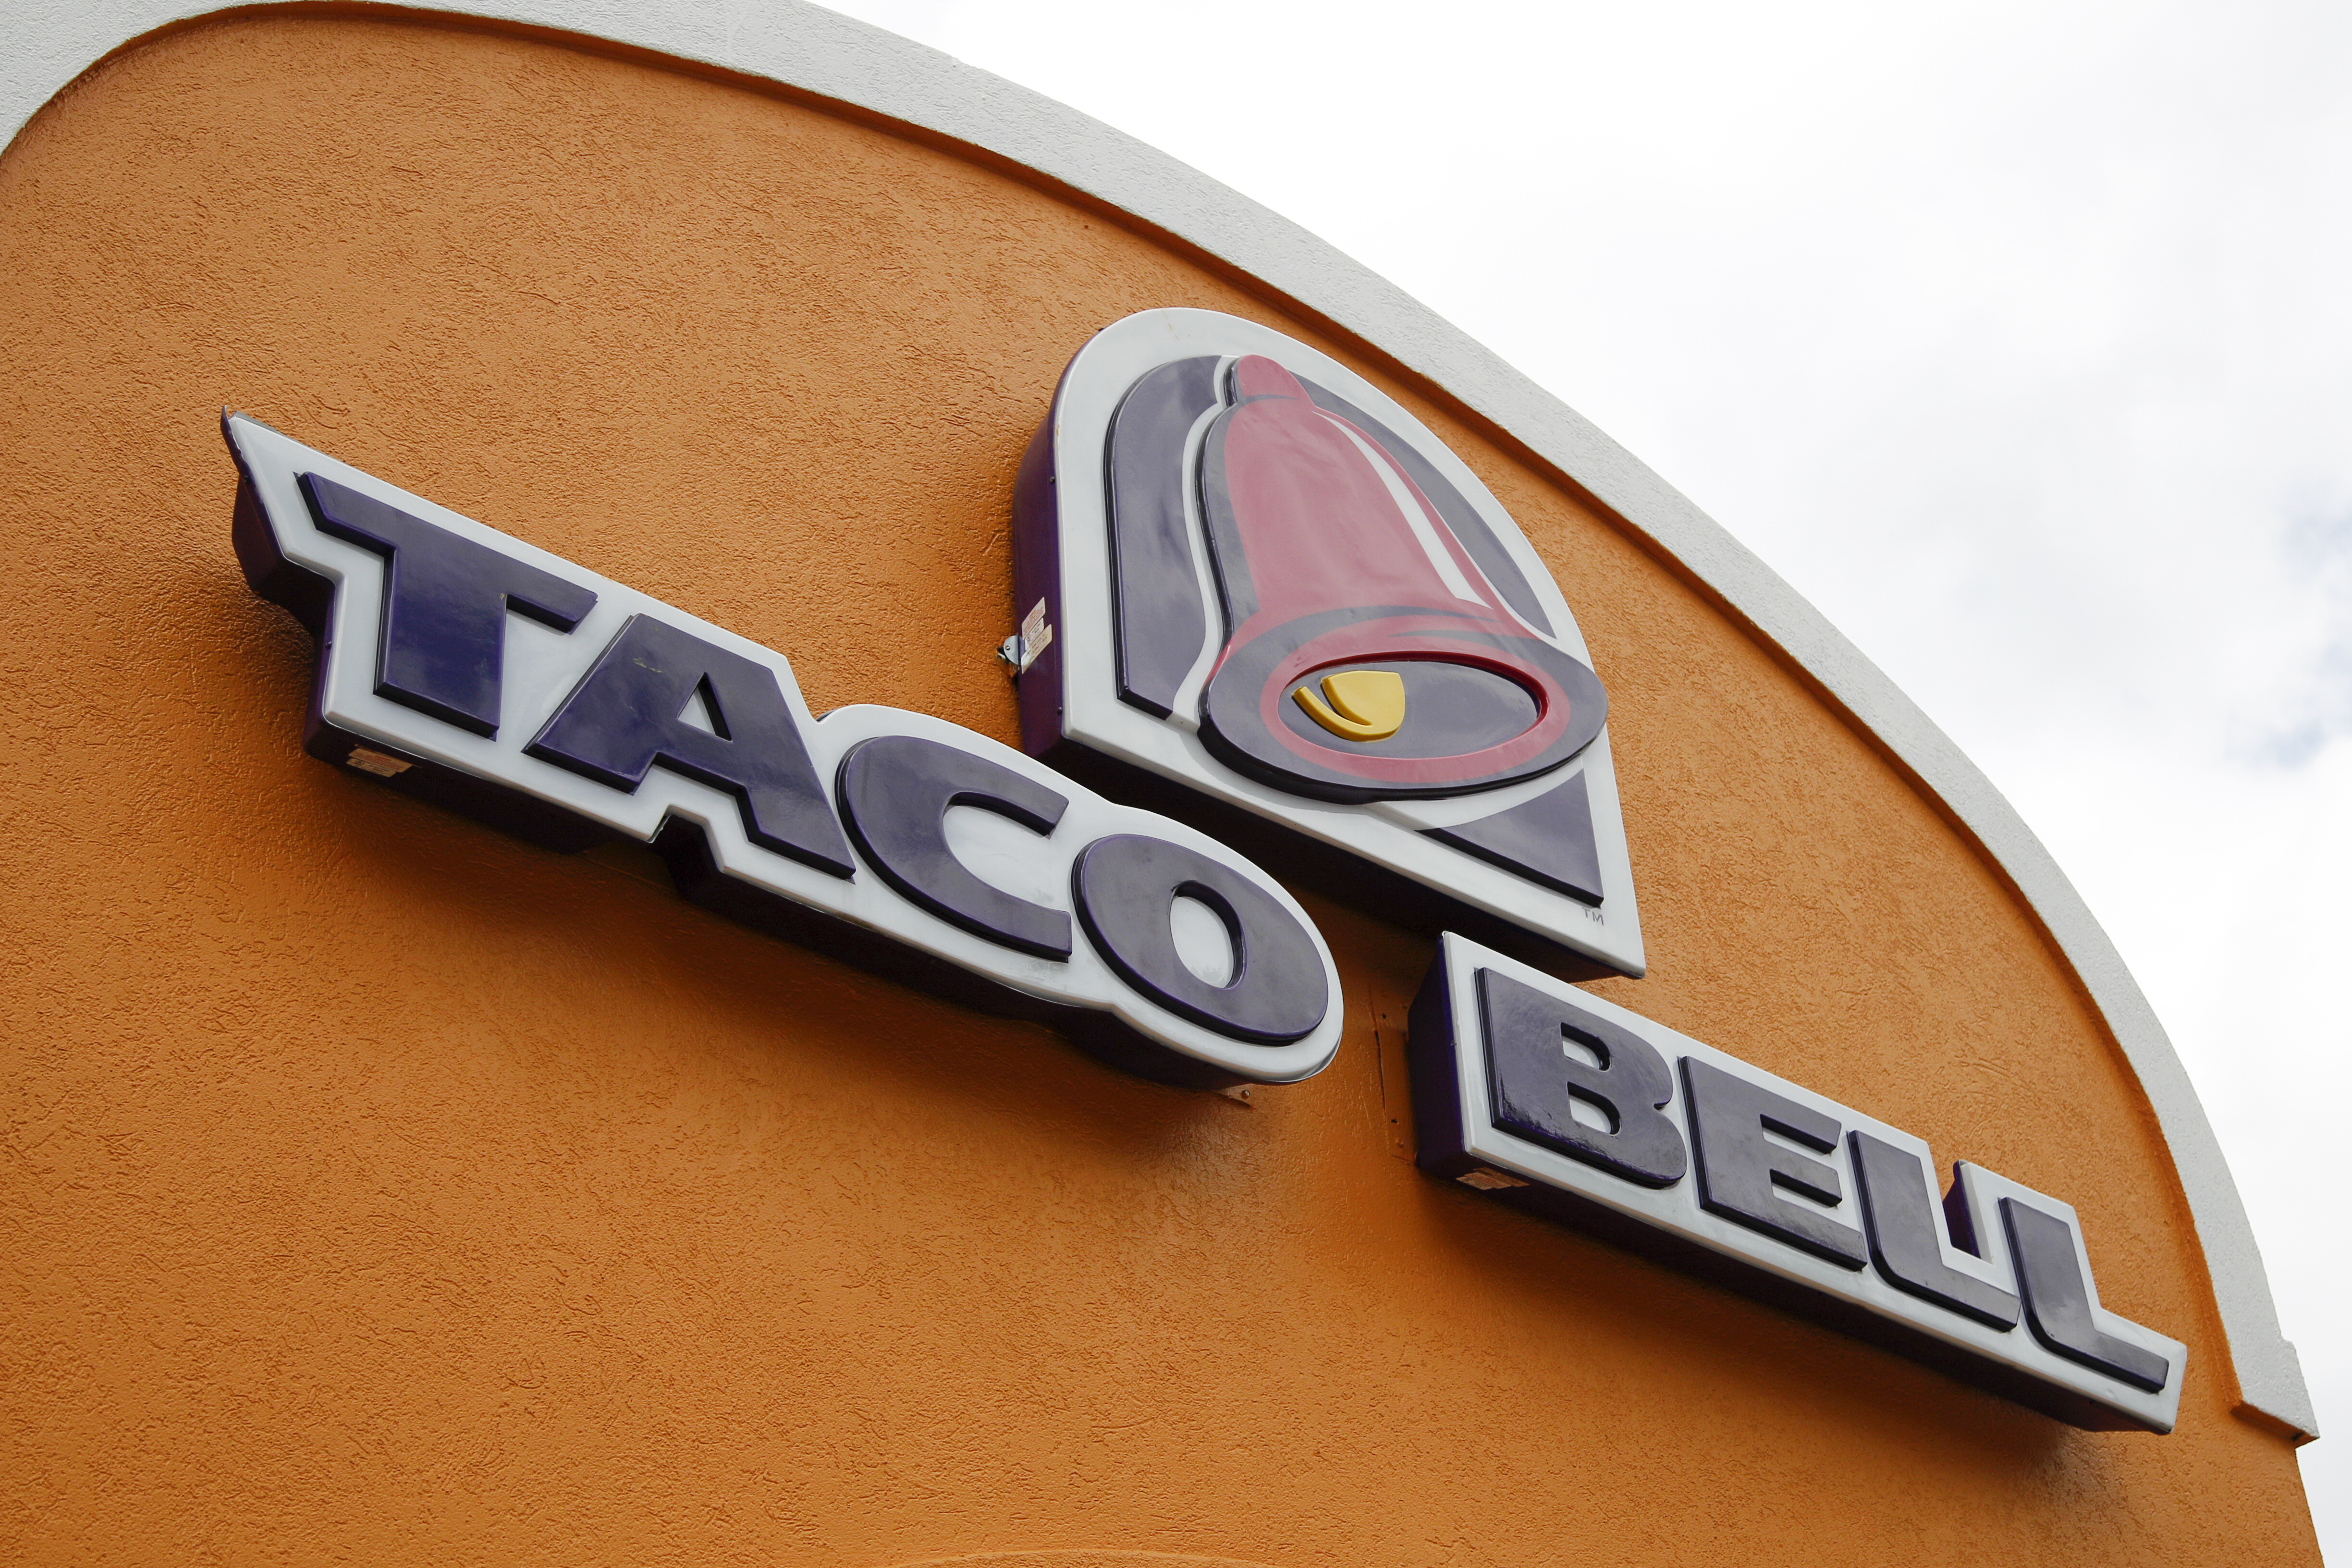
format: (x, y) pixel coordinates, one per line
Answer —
(1364, 704)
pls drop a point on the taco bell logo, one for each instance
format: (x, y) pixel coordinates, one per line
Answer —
(1260, 594)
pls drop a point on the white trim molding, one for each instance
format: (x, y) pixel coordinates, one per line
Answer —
(813, 51)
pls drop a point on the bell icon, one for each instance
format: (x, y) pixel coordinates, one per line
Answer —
(1367, 655)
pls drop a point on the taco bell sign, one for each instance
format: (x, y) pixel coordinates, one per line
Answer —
(1269, 617)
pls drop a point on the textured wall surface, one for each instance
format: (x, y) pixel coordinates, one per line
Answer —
(381, 1189)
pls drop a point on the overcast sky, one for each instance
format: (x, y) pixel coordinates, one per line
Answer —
(2017, 337)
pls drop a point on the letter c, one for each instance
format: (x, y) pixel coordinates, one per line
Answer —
(895, 795)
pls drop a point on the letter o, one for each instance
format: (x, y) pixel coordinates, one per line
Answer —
(1126, 886)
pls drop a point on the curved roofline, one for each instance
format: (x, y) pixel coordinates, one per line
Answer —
(822, 54)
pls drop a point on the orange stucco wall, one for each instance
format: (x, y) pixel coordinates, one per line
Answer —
(379, 1189)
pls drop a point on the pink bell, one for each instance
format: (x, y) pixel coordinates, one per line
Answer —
(1367, 655)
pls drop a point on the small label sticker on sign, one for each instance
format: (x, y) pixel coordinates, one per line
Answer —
(1035, 634)
(1021, 649)
(381, 765)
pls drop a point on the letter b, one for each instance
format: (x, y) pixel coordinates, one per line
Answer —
(1536, 1073)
